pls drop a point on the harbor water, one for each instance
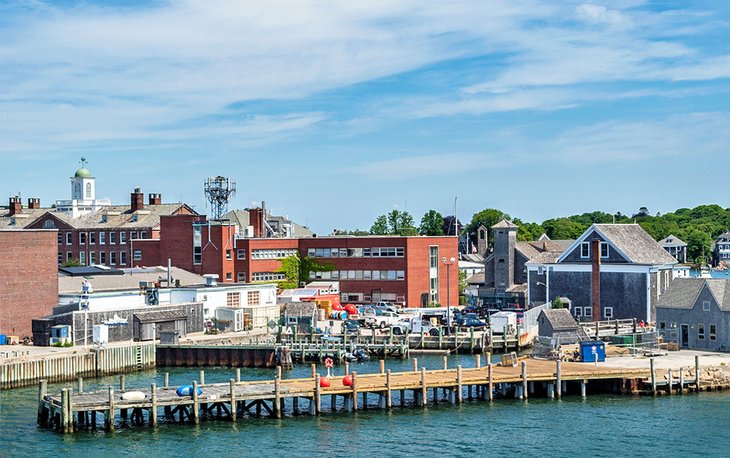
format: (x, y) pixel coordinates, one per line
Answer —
(601, 425)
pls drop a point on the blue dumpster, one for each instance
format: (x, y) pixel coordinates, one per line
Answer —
(589, 350)
(3, 339)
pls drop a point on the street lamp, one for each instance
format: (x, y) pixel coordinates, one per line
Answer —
(448, 264)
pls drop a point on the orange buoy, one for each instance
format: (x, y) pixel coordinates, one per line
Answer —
(324, 382)
(347, 380)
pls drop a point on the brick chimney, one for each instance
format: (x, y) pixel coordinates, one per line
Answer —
(596, 279)
(255, 216)
(155, 199)
(137, 200)
(16, 206)
(34, 203)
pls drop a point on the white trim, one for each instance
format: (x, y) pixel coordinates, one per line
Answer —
(621, 268)
(648, 297)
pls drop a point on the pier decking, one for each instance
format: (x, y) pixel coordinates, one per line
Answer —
(70, 411)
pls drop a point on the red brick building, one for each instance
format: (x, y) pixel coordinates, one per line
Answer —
(404, 270)
(28, 278)
(107, 236)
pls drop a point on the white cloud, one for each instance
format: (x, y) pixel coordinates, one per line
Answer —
(428, 165)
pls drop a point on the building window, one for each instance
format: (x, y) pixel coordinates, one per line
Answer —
(662, 325)
(60, 238)
(143, 235)
(700, 331)
(706, 306)
(433, 258)
(269, 276)
(229, 276)
(112, 237)
(82, 238)
(233, 299)
(92, 258)
(608, 312)
(113, 258)
(88, 190)
(92, 238)
(102, 257)
(585, 250)
(122, 237)
(82, 258)
(197, 244)
(713, 332)
(133, 235)
(123, 258)
(137, 256)
(282, 253)
(604, 249)
(241, 276)
(578, 312)
(588, 312)
(253, 298)
(241, 254)
(60, 259)
(69, 256)
(229, 255)
(102, 238)
(69, 238)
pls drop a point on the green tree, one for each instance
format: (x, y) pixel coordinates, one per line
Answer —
(380, 226)
(297, 269)
(557, 303)
(394, 223)
(487, 218)
(432, 224)
(73, 262)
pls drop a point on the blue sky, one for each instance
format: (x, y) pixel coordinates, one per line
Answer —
(336, 112)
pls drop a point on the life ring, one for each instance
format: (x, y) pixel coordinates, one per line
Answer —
(328, 363)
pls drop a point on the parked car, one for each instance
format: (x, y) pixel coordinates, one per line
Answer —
(414, 324)
(351, 326)
(469, 320)
(383, 320)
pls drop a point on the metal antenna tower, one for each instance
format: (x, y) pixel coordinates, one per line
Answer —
(218, 191)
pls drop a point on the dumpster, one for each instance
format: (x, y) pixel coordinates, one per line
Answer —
(589, 350)
(3, 339)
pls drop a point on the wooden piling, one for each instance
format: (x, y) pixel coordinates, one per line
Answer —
(583, 388)
(697, 372)
(153, 409)
(653, 375)
(489, 376)
(80, 384)
(446, 362)
(354, 390)
(415, 364)
(317, 395)
(42, 391)
(347, 368)
(234, 403)
(121, 383)
(167, 379)
(109, 417)
(202, 377)
(388, 391)
(479, 361)
(424, 388)
(196, 405)
(558, 379)
(681, 380)
(314, 370)
(670, 382)
(238, 374)
(277, 397)
(278, 372)
(459, 387)
(524, 380)
(64, 410)
(382, 366)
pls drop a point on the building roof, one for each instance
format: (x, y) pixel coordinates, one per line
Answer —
(560, 319)
(83, 172)
(22, 219)
(631, 241)
(300, 308)
(119, 217)
(242, 219)
(504, 224)
(672, 240)
(130, 279)
(476, 279)
(472, 257)
(160, 315)
(682, 293)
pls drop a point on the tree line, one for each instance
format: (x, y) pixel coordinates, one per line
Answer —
(698, 227)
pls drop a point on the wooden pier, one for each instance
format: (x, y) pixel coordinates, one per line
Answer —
(58, 367)
(71, 410)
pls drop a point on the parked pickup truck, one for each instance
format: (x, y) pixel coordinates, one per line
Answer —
(382, 321)
(414, 325)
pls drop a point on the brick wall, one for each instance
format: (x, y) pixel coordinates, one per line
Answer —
(28, 278)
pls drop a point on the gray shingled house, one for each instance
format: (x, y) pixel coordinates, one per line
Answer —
(558, 325)
(695, 313)
(631, 269)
